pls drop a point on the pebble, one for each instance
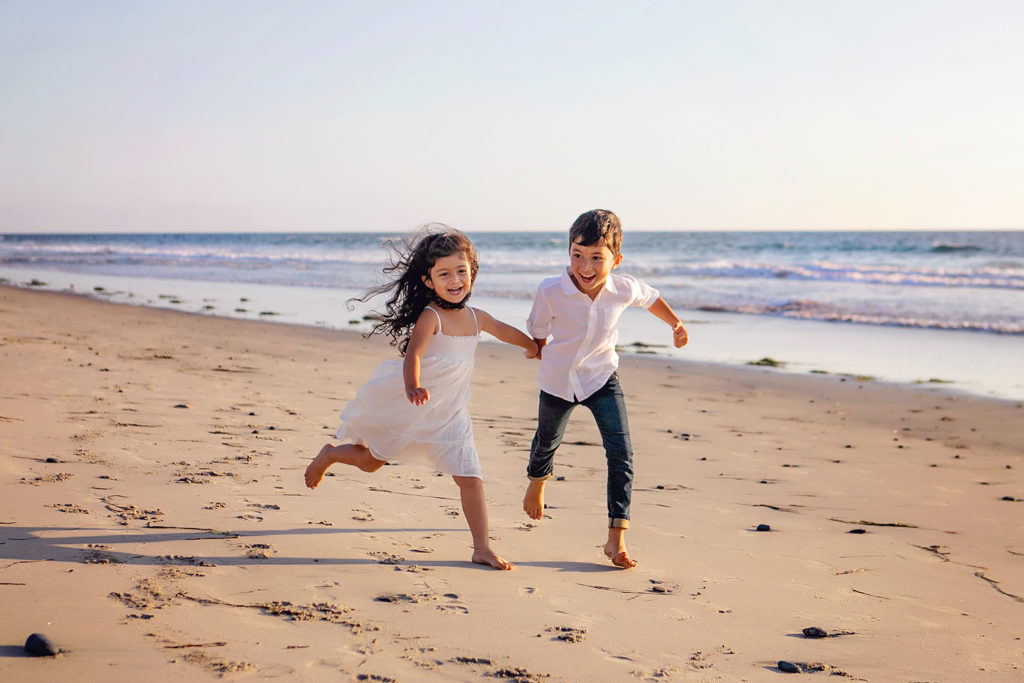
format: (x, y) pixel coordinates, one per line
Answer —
(39, 645)
(789, 667)
(764, 527)
(857, 531)
(815, 632)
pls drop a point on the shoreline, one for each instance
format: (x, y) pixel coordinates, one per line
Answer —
(154, 516)
(959, 362)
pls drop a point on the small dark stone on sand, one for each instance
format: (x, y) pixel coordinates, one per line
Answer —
(39, 645)
(788, 667)
(764, 527)
(52, 459)
(857, 531)
(1009, 498)
(815, 632)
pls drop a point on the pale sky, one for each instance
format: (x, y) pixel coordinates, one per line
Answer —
(299, 115)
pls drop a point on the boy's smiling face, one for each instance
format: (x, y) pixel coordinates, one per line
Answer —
(591, 266)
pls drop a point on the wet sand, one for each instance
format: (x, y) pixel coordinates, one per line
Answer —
(154, 515)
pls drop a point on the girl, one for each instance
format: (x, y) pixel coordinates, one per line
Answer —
(428, 320)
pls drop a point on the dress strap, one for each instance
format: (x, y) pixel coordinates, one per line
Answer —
(439, 329)
(476, 323)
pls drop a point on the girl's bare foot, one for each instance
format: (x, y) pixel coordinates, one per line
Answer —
(348, 454)
(488, 557)
(318, 468)
(533, 501)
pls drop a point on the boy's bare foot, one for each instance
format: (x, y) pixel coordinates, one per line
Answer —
(489, 557)
(318, 468)
(618, 555)
(533, 501)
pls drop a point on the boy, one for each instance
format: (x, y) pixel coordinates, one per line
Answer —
(580, 311)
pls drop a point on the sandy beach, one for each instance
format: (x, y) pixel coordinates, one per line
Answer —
(153, 518)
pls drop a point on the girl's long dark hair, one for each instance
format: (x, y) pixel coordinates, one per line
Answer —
(410, 261)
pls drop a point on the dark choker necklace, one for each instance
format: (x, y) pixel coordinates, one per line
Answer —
(449, 306)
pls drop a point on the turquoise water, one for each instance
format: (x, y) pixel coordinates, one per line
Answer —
(905, 307)
(941, 280)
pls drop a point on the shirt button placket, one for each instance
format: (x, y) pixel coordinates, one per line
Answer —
(584, 349)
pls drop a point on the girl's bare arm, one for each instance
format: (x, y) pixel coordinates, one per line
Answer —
(506, 333)
(422, 331)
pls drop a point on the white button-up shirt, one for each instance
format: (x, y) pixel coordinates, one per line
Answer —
(580, 356)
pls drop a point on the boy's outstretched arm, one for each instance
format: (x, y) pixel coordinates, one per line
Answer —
(506, 333)
(540, 346)
(661, 310)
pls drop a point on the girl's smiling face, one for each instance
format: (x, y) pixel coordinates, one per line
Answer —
(591, 266)
(450, 277)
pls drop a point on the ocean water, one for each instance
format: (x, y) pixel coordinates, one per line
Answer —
(901, 306)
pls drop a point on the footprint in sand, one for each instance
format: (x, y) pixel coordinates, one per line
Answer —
(568, 634)
(48, 479)
(96, 554)
(259, 551)
(386, 558)
(69, 508)
(449, 602)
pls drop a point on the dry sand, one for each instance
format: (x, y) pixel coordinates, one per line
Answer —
(154, 519)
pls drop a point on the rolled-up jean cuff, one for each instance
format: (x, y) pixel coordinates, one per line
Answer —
(618, 523)
(544, 478)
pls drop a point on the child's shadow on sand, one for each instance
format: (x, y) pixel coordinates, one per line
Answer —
(99, 546)
(595, 567)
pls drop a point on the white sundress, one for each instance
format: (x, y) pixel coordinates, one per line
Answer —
(438, 433)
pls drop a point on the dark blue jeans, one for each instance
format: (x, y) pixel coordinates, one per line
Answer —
(609, 408)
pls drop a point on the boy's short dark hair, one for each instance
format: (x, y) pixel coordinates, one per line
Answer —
(595, 228)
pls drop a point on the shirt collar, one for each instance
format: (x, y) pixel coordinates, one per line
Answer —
(568, 287)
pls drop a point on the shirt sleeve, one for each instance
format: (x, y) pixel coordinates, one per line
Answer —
(538, 323)
(643, 294)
